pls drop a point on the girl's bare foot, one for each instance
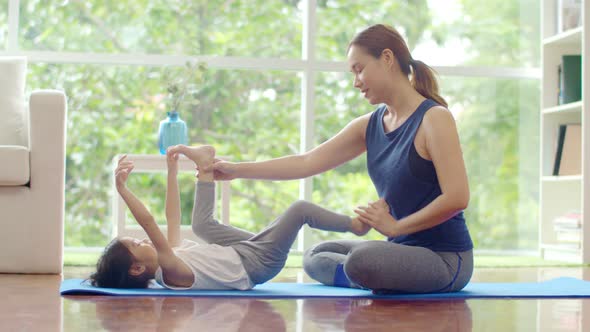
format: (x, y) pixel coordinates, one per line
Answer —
(359, 228)
(203, 155)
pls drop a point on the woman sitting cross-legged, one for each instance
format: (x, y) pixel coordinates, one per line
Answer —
(232, 259)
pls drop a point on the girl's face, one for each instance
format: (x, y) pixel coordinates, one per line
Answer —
(142, 250)
(369, 74)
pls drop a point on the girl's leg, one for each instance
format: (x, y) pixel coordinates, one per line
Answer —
(205, 226)
(264, 255)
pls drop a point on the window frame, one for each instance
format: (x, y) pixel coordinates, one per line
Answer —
(308, 66)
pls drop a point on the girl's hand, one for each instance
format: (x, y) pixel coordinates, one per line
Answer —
(222, 170)
(124, 167)
(377, 216)
(172, 160)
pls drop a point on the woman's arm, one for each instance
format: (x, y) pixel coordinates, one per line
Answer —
(173, 211)
(348, 144)
(443, 146)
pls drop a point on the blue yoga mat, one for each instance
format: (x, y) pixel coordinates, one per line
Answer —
(556, 288)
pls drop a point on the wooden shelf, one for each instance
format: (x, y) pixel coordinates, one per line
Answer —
(565, 108)
(562, 178)
(561, 247)
(559, 194)
(573, 36)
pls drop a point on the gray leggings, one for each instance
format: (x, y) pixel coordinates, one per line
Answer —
(263, 254)
(389, 267)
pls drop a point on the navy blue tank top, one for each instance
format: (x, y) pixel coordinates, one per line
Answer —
(408, 182)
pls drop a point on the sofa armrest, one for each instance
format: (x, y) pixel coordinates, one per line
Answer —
(47, 131)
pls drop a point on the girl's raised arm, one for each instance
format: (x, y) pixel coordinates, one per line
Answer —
(173, 211)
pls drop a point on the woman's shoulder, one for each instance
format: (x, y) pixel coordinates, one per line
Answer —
(361, 123)
(439, 122)
(365, 118)
(437, 114)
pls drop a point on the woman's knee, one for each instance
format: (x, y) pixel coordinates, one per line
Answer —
(319, 267)
(320, 263)
(311, 261)
(359, 266)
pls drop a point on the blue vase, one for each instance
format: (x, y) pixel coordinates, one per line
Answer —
(172, 131)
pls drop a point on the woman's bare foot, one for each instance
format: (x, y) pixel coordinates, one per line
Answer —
(359, 228)
(203, 155)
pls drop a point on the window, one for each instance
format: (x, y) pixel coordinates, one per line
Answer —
(440, 33)
(242, 28)
(264, 79)
(499, 135)
(3, 22)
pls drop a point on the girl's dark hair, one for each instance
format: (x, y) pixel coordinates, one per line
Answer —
(112, 268)
(379, 37)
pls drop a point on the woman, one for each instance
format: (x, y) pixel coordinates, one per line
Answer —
(415, 161)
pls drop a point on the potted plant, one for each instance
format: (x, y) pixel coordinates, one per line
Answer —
(182, 91)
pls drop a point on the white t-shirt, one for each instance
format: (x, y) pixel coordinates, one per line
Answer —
(213, 266)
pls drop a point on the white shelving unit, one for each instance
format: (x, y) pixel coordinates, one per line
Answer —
(562, 194)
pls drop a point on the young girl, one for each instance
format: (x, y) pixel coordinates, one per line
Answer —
(232, 259)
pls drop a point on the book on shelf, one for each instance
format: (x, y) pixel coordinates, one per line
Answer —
(561, 252)
(567, 246)
(571, 154)
(559, 85)
(568, 221)
(568, 153)
(569, 79)
(569, 14)
(569, 235)
(558, 149)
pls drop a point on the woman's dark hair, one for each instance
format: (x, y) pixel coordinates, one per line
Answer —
(112, 268)
(379, 37)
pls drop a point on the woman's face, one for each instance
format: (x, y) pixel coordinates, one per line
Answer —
(369, 74)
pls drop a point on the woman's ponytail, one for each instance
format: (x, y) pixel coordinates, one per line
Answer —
(423, 79)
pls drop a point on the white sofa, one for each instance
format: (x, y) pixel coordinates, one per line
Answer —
(32, 178)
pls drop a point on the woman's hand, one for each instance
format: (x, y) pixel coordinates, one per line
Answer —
(172, 161)
(377, 216)
(222, 170)
(124, 167)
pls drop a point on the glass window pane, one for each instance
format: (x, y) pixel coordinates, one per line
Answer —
(117, 109)
(349, 185)
(150, 188)
(498, 127)
(3, 23)
(440, 33)
(499, 131)
(216, 27)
